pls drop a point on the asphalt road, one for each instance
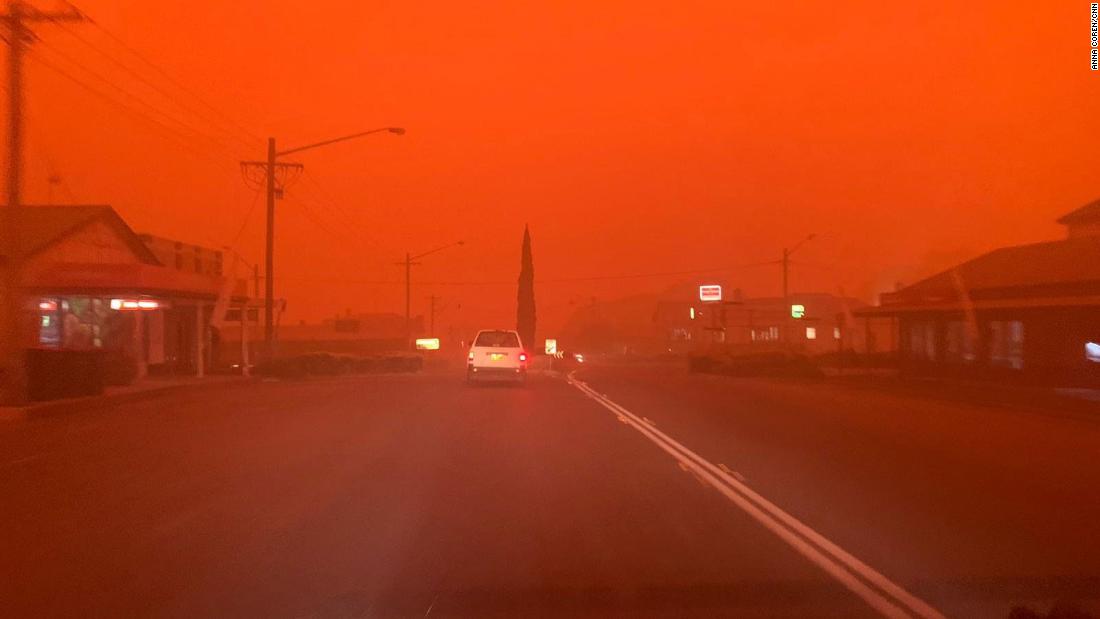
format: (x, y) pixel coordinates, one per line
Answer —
(414, 495)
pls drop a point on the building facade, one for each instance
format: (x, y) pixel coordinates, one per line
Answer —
(95, 285)
(809, 323)
(1022, 313)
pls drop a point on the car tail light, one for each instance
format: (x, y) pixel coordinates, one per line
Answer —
(523, 356)
(471, 357)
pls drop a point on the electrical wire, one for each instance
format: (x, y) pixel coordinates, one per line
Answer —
(151, 107)
(249, 143)
(244, 223)
(558, 280)
(181, 139)
(329, 200)
(314, 216)
(164, 74)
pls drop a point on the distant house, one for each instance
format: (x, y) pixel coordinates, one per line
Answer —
(1029, 311)
(676, 321)
(97, 285)
(821, 324)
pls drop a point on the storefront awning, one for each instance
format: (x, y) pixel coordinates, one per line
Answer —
(59, 278)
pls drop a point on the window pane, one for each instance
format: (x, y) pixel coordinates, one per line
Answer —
(497, 339)
(1006, 343)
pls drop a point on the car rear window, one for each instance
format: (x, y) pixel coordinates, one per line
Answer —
(497, 339)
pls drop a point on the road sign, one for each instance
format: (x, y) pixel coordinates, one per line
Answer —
(427, 343)
(551, 347)
(798, 311)
(710, 292)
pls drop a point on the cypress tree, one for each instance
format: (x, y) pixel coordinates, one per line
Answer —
(525, 307)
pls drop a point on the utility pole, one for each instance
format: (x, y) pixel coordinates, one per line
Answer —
(270, 167)
(786, 298)
(785, 319)
(409, 264)
(431, 331)
(408, 297)
(269, 253)
(13, 379)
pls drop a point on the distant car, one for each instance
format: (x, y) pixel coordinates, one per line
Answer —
(497, 355)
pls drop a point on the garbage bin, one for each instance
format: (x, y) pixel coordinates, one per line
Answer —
(56, 374)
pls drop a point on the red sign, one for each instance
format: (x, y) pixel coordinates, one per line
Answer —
(710, 292)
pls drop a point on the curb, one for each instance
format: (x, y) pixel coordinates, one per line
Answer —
(69, 406)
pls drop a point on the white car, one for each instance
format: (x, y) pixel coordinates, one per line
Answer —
(496, 355)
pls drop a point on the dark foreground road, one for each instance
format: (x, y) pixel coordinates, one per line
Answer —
(410, 496)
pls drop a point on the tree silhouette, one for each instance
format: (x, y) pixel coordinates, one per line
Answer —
(525, 306)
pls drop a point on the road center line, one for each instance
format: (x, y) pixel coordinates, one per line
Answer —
(882, 594)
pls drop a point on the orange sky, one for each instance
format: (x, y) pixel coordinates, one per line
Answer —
(633, 137)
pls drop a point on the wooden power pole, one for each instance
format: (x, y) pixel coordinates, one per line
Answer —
(13, 379)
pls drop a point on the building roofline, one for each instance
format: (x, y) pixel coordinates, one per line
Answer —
(93, 213)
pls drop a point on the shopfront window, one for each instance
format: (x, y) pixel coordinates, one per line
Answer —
(83, 319)
(49, 323)
(81, 323)
(959, 345)
(765, 334)
(922, 340)
(1006, 344)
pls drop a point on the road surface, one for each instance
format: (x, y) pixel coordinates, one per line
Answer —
(627, 491)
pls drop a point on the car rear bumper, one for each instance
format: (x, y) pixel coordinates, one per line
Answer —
(492, 373)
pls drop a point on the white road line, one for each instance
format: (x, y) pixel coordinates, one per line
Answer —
(882, 594)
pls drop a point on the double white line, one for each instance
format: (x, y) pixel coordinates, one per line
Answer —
(879, 592)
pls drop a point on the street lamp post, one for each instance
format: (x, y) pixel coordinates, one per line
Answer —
(269, 166)
(408, 263)
(786, 295)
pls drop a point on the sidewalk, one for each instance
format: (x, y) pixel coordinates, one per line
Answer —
(145, 388)
(1079, 403)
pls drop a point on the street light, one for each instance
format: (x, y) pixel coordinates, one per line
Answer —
(408, 286)
(269, 167)
(393, 130)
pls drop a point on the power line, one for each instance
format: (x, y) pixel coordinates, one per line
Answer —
(338, 216)
(331, 201)
(314, 216)
(183, 124)
(342, 224)
(247, 217)
(164, 74)
(558, 280)
(659, 273)
(181, 139)
(250, 143)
